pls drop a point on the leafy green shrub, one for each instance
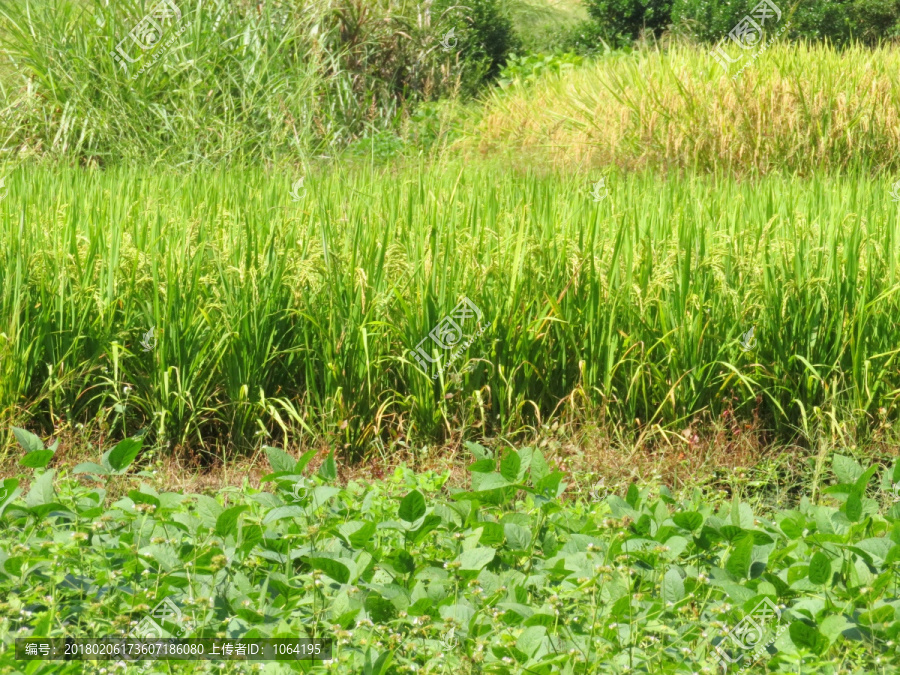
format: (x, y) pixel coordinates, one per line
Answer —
(620, 22)
(528, 68)
(483, 36)
(838, 21)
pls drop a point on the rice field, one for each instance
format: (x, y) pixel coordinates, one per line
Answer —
(285, 310)
(801, 108)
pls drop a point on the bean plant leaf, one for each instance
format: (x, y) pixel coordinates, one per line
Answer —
(36, 459)
(412, 507)
(539, 468)
(846, 469)
(738, 564)
(689, 520)
(476, 558)
(91, 467)
(41, 491)
(509, 466)
(304, 460)
(124, 453)
(673, 586)
(28, 440)
(633, 496)
(807, 637)
(362, 537)
(820, 568)
(328, 470)
(853, 507)
(280, 460)
(334, 569)
(226, 523)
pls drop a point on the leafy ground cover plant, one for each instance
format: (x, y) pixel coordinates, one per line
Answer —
(505, 576)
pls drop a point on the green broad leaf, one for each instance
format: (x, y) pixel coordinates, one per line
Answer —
(895, 476)
(208, 510)
(738, 564)
(328, 470)
(282, 512)
(143, 498)
(37, 459)
(381, 610)
(334, 569)
(633, 496)
(833, 626)
(846, 469)
(91, 467)
(483, 482)
(820, 568)
(363, 536)
(853, 507)
(672, 586)
(412, 507)
(518, 538)
(531, 639)
(884, 614)
(551, 483)
(476, 558)
(689, 520)
(403, 561)
(41, 491)
(46, 509)
(322, 495)
(165, 556)
(429, 525)
(807, 637)
(304, 460)
(7, 489)
(792, 528)
(492, 534)
(420, 607)
(28, 441)
(510, 465)
(281, 461)
(482, 466)
(540, 619)
(539, 468)
(382, 663)
(478, 450)
(863, 481)
(124, 453)
(226, 523)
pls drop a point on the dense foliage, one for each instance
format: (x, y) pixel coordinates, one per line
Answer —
(238, 79)
(619, 22)
(507, 576)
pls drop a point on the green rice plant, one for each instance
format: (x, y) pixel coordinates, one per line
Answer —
(798, 108)
(295, 318)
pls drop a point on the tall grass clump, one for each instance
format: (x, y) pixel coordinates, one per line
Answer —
(294, 319)
(798, 108)
(252, 80)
